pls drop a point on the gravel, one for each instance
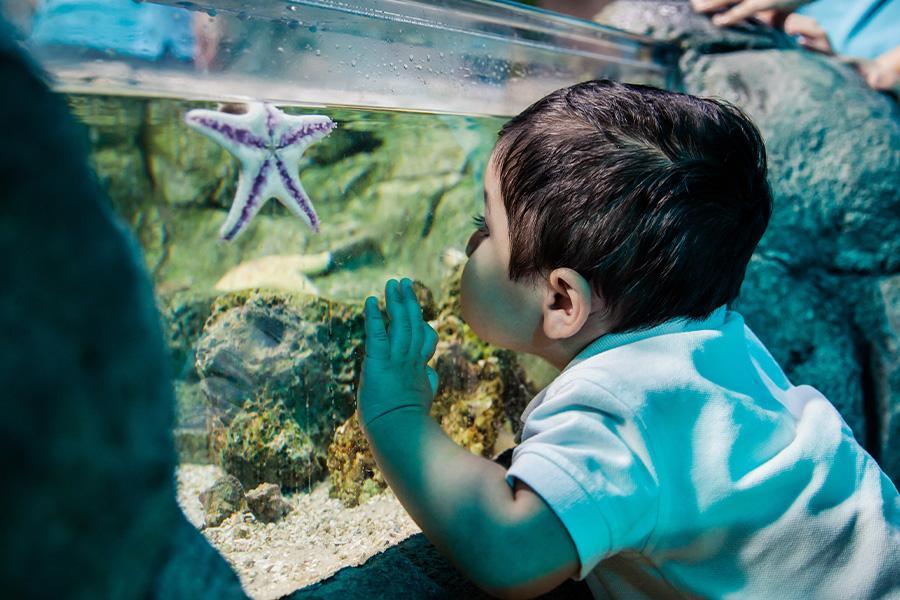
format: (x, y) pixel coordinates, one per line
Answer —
(317, 538)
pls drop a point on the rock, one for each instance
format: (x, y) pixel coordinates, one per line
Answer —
(87, 400)
(677, 23)
(833, 164)
(266, 502)
(195, 569)
(221, 500)
(414, 568)
(295, 349)
(473, 403)
(287, 273)
(877, 316)
(263, 443)
(809, 333)
(356, 251)
(351, 467)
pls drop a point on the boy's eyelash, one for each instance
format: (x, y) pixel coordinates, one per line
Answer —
(478, 220)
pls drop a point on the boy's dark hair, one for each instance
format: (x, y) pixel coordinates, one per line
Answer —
(657, 198)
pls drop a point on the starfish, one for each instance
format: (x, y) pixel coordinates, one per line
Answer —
(268, 143)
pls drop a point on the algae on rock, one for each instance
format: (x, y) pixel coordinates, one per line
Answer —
(278, 371)
(298, 349)
(264, 444)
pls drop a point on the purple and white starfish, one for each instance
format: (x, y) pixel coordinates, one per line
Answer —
(268, 143)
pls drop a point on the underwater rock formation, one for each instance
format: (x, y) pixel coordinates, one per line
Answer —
(296, 349)
(481, 395)
(88, 456)
(353, 474)
(834, 237)
(278, 372)
(264, 443)
(266, 503)
(224, 498)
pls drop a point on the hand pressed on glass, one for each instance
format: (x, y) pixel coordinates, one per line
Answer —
(395, 373)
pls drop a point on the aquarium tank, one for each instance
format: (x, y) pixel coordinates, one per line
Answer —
(277, 161)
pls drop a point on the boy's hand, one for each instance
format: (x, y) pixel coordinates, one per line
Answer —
(394, 371)
(738, 10)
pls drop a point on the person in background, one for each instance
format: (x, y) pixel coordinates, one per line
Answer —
(864, 33)
(126, 29)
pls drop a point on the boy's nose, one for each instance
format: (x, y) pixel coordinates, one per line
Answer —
(473, 242)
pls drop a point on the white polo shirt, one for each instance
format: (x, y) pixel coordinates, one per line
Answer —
(683, 463)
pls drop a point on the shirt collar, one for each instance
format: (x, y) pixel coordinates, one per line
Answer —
(612, 340)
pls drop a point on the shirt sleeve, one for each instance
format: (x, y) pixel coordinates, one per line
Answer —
(586, 455)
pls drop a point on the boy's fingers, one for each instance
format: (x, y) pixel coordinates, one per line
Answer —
(377, 345)
(432, 379)
(429, 343)
(399, 333)
(417, 324)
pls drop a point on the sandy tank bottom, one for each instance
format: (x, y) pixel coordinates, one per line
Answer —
(317, 538)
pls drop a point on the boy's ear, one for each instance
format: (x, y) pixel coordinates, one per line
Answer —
(567, 303)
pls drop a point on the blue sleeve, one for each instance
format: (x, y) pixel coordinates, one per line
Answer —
(586, 455)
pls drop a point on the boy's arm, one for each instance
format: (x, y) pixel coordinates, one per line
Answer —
(508, 542)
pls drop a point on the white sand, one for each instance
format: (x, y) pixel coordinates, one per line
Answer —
(318, 537)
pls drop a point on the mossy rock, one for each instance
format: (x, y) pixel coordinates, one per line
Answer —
(264, 444)
(354, 475)
(300, 350)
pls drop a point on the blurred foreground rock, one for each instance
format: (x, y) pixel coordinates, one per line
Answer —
(413, 569)
(88, 455)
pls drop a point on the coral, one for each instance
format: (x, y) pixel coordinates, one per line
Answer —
(354, 475)
(264, 444)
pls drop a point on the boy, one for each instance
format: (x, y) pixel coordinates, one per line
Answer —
(671, 457)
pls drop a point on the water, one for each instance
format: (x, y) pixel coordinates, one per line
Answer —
(265, 331)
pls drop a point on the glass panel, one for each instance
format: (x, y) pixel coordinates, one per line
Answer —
(455, 56)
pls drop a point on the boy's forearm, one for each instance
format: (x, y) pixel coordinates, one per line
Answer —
(457, 498)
